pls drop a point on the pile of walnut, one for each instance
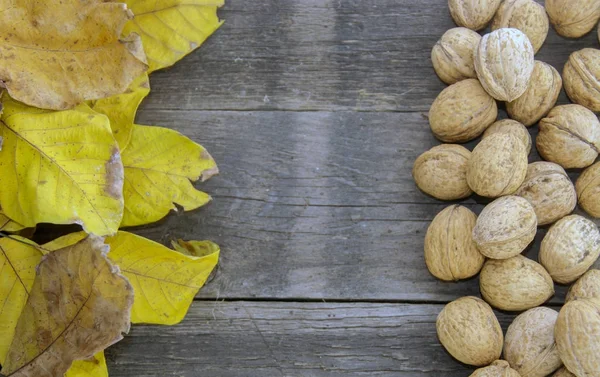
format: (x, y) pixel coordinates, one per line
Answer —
(500, 66)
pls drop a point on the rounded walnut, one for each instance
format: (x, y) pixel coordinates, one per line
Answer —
(505, 227)
(450, 253)
(504, 63)
(587, 286)
(570, 248)
(569, 136)
(581, 77)
(442, 172)
(573, 18)
(498, 165)
(461, 112)
(515, 284)
(549, 190)
(452, 55)
(525, 15)
(498, 368)
(470, 332)
(539, 98)
(509, 126)
(473, 14)
(529, 345)
(577, 335)
(588, 190)
(563, 372)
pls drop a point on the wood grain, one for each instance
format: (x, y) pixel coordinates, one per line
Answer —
(314, 205)
(359, 55)
(254, 339)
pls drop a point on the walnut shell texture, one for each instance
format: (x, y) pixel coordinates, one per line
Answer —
(540, 97)
(473, 14)
(504, 63)
(529, 345)
(525, 15)
(509, 126)
(587, 286)
(461, 112)
(450, 253)
(573, 18)
(515, 284)
(498, 368)
(577, 335)
(563, 372)
(498, 165)
(570, 248)
(442, 172)
(470, 331)
(569, 136)
(581, 76)
(452, 55)
(505, 227)
(588, 190)
(549, 190)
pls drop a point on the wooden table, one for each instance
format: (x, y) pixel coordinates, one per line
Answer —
(315, 111)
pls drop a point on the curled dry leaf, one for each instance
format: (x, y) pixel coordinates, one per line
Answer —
(79, 304)
(58, 67)
(171, 29)
(66, 160)
(8, 225)
(18, 259)
(121, 109)
(159, 164)
(164, 281)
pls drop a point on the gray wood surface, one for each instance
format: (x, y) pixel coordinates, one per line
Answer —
(254, 339)
(315, 111)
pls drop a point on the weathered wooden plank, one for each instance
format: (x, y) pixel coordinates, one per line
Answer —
(367, 55)
(313, 205)
(251, 339)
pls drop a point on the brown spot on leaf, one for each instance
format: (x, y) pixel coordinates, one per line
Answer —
(114, 175)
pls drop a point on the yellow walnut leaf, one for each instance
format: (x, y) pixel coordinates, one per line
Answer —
(78, 305)
(93, 367)
(18, 259)
(171, 29)
(55, 54)
(195, 248)
(164, 281)
(60, 167)
(121, 109)
(7, 225)
(159, 164)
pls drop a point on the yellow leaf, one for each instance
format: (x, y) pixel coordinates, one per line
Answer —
(164, 281)
(18, 259)
(121, 109)
(60, 167)
(171, 29)
(78, 305)
(94, 367)
(7, 225)
(55, 54)
(195, 248)
(159, 164)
